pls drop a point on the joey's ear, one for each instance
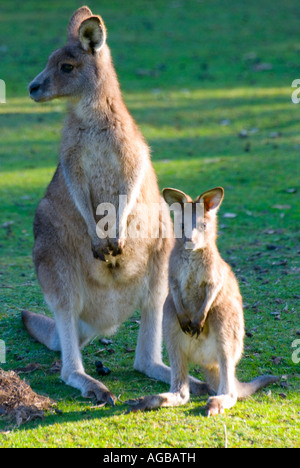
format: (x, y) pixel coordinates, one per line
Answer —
(92, 34)
(77, 18)
(212, 199)
(175, 196)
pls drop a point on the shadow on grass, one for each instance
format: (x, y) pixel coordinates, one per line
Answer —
(87, 414)
(91, 412)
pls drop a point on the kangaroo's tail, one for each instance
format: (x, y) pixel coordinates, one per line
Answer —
(245, 390)
(41, 328)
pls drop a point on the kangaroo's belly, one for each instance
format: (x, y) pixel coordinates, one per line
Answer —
(201, 350)
(106, 308)
(109, 291)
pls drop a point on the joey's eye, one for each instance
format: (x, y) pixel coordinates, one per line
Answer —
(204, 226)
(67, 67)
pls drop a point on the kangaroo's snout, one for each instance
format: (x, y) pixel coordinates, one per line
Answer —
(38, 89)
(34, 88)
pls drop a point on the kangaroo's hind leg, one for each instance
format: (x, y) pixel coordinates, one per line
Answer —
(62, 290)
(148, 356)
(42, 328)
(156, 309)
(224, 376)
(73, 372)
(181, 383)
(179, 392)
(178, 395)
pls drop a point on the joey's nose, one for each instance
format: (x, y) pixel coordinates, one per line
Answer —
(196, 241)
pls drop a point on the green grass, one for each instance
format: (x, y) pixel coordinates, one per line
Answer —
(184, 66)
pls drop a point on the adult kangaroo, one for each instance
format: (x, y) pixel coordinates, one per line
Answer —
(92, 284)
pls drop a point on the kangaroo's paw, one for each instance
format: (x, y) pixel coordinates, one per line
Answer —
(214, 406)
(95, 392)
(90, 388)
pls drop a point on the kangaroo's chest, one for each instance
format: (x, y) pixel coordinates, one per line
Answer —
(102, 170)
(192, 280)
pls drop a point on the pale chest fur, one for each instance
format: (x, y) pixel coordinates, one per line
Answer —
(102, 170)
(90, 146)
(191, 278)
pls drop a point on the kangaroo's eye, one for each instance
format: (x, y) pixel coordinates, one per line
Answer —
(67, 67)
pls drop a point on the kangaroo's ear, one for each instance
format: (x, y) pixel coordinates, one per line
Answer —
(175, 196)
(212, 199)
(77, 18)
(92, 34)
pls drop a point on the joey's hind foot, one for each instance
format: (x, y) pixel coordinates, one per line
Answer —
(147, 403)
(218, 404)
(214, 406)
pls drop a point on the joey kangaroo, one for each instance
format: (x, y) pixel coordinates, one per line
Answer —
(203, 315)
(93, 284)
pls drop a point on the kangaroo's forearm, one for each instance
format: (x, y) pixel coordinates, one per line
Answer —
(131, 191)
(78, 189)
(181, 313)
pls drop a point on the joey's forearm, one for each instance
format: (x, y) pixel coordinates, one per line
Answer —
(211, 294)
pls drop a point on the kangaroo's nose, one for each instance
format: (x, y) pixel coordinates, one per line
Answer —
(34, 87)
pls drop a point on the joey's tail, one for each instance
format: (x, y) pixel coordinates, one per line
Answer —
(41, 328)
(245, 390)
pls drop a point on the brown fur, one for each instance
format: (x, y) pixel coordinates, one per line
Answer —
(92, 285)
(203, 315)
